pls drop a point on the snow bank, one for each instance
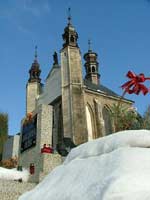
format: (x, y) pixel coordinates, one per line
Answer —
(116, 167)
(132, 138)
(13, 174)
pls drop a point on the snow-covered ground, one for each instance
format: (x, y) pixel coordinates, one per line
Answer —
(116, 167)
(13, 174)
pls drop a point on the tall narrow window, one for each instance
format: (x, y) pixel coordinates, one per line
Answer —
(93, 69)
(107, 121)
(89, 124)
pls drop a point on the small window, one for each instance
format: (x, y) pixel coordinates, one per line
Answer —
(72, 38)
(93, 68)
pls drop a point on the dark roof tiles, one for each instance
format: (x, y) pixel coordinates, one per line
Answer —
(102, 89)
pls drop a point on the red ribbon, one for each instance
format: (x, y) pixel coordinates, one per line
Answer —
(134, 85)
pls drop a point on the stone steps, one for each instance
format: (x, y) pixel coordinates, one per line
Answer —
(11, 190)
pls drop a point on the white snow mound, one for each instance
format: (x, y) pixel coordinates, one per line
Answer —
(13, 174)
(115, 167)
(131, 138)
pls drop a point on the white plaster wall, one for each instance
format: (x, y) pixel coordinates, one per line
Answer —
(16, 145)
(52, 88)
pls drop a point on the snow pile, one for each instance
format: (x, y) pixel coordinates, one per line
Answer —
(116, 167)
(132, 138)
(13, 174)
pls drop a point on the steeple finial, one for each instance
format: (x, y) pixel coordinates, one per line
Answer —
(89, 45)
(70, 35)
(35, 55)
(35, 69)
(69, 16)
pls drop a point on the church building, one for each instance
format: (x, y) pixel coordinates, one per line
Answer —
(68, 110)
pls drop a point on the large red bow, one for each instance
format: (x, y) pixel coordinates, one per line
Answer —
(134, 85)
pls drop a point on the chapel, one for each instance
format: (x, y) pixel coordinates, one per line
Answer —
(69, 109)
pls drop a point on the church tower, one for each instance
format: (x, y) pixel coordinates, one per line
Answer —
(74, 122)
(33, 87)
(91, 66)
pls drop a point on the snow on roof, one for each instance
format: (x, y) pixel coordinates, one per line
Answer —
(115, 167)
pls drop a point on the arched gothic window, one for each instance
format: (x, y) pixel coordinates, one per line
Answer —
(107, 120)
(89, 124)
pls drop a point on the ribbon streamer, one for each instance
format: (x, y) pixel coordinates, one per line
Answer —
(135, 84)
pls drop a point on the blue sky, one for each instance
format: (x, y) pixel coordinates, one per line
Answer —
(119, 30)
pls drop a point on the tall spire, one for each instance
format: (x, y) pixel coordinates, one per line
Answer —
(35, 69)
(70, 35)
(91, 65)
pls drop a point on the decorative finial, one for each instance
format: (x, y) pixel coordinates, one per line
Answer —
(35, 55)
(69, 15)
(55, 57)
(89, 46)
(35, 69)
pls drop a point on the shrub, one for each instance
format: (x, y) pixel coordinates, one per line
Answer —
(125, 118)
(10, 163)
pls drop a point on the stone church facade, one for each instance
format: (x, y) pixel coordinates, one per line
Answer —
(67, 111)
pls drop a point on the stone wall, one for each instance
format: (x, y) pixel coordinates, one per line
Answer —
(32, 91)
(44, 136)
(74, 120)
(96, 102)
(48, 163)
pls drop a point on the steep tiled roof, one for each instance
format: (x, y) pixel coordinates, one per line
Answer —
(101, 89)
